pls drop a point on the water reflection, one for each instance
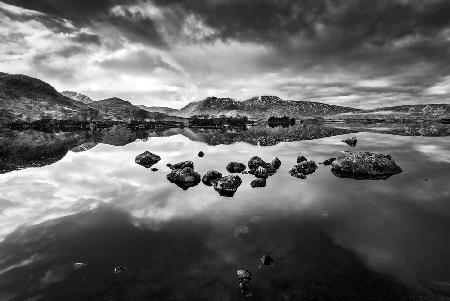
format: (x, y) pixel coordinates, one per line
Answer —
(97, 206)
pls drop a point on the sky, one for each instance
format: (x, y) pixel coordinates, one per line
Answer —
(358, 53)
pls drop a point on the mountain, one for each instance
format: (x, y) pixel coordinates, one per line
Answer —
(77, 96)
(121, 110)
(403, 112)
(165, 110)
(24, 98)
(261, 108)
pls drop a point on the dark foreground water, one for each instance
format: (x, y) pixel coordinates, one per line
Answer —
(331, 238)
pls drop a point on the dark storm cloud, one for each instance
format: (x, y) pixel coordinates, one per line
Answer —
(403, 46)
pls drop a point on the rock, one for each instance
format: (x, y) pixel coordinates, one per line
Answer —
(301, 159)
(302, 169)
(79, 265)
(184, 178)
(235, 167)
(364, 165)
(227, 186)
(262, 169)
(351, 141)
(328, 161)
(295, 173)
(266, 260)
(261, 182)
(244, 277)
(244, 172)
(210, 177)
(255, 162)
(147, 159)
(182, 165)
(169, 165)
(119, 269)
(154, 169)
(261, 172)
(276, 163)
(201, 154)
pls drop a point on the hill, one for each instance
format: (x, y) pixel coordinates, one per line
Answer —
(165, 110)
(261, 108)
(77, 96)
(24, 98)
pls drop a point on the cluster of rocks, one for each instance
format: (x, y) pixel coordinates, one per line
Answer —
(303, 168)
(262, 170)
(184, 175)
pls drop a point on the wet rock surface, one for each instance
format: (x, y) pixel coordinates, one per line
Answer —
(181, 165)
(184, 178)
(351, 141)
(210, 177)
(236, 167)
(364, 165)
(328, 162)
(261, 182)
(147, 159)
(228, 185)
(301, 159)
(302, 169)
(261, 169)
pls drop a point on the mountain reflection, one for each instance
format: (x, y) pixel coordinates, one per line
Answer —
(329, 236)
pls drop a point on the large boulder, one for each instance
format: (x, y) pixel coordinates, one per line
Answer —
(210, 177)
(227, 186)
(236, 167)
(351, 141)
(147, 159)
(302, 169)
(182, 165)
(184, 178)
(364, 165)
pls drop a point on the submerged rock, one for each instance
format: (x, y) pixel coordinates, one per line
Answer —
(364, 165)
(351, 141)
(244, 277)
(266, 260)
(227, 186)
(184, 178)
(119, 269)
(79, 265)
(147, 159)
(201, 154)
(236, 167)
(261, 182)
(210, 177)
(328, 161)
(154, 169)
(301, 159)
(182, 165)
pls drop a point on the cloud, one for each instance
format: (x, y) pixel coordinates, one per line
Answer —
(361, 53)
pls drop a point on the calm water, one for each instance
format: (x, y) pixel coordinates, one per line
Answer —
(331, 238)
